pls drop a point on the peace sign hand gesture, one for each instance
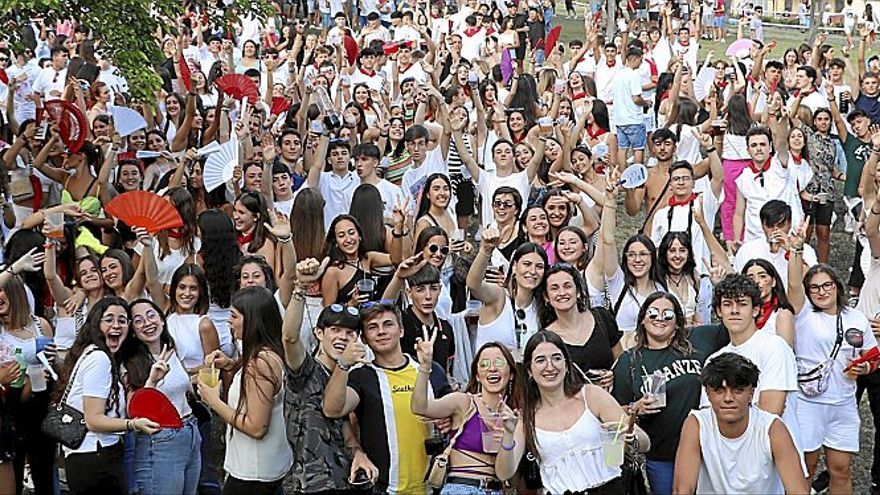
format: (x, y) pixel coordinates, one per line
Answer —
(425, 348)
(161, 367)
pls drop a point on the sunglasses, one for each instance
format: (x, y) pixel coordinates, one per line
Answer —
(502, 205)
(654, 314)
(338, 308)
(4, 59)
(487, 363)
(433, 248)
(381, 302)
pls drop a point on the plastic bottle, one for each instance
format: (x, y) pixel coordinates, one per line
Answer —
(22, 367)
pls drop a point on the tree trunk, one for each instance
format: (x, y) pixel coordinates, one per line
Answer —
(611, 19)
(817, 7)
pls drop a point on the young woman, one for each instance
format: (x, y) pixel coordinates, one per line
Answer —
(250, 215)
(777, 314)
(535, 228)
(492, 391)
(662, 342)
(678, 268)
(170, 460)
(506, 207)
(91, 382)
(433, 207)
(177, 246)
(829, 333)
(87, 273)
(734, 157)
(562, 423)
(257, 453)
(590, 334)
(219, 256)
(350, 262)
(307, 220)
(510, 310)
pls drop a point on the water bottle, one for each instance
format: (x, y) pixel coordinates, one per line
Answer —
(22, 368)
(844, 104)
(326, 108)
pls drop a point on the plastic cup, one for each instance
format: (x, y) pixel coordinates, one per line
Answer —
(491, 443)
(658, 389)
(210, 376)
(546, 124)
(365, 286)
(612, 447)
(55, 225)
(823, 198)
(37, 375)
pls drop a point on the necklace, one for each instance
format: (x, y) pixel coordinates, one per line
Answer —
(678, 282)
(491, 410)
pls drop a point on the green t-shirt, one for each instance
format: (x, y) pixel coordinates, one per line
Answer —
(857, 153)
(682, 387)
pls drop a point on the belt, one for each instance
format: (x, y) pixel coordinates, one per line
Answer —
(483, 483)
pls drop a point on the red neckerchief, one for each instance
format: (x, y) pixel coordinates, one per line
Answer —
(764, 168)
(517, 140)
(175, 234)
(594, 135)
(470, 32)
(467, 90)
(370, 73)
(490, 32)
(684, 202)
(599, 168)
(402, 71)
(612, 64)
(767, 308)
(246, 238)
(578, 96)
(796, 158)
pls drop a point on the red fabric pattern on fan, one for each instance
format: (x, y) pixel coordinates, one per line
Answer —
(71, 122)
(279, 105)
(552, 38)
(154, 405)
(238, 86)
(184, 74)
(144, 209)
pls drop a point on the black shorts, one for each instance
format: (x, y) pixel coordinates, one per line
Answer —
(819, 213)
(464, 191)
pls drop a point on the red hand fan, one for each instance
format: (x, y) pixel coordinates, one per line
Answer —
(4, 77)
(873, 354)
(351, 49)
(184, 74)
(238, 86)
(552, 38)
(279, 105)
(144, 209)
(154, 405)
(71, 123)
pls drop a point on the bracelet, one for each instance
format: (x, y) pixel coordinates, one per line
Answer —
(422, 370)
(398, 236)
(341, 364)
(796, 251)
(128, 425)
(505, 447)
(875, 212)
(876, 150)
(298, 295)
(713, 149)
(284, 240)
(383, 135)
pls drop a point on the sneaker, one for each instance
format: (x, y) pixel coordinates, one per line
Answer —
(820, 484)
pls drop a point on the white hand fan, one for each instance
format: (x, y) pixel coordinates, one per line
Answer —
(144, 154)
(634, 176)
(212, 147)
(703, 82)
(127, 121)
(220, 165)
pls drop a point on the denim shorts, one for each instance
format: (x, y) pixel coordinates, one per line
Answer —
(460, 489)
(631, 136)
(720, 20)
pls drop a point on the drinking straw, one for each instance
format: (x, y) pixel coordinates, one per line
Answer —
(620, 427)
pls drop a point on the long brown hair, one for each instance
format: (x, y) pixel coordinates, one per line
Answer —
(186, 206)
(680, 342)
(17, 303)
(307, 221)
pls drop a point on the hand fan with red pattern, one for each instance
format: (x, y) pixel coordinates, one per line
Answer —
(154, 405)
(144, 209)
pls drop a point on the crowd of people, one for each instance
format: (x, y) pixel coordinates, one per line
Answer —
(412, 275)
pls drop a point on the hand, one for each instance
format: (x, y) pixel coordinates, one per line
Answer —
(278, 225)
(309, 270)
(161, 367)
(875, 135)
(76, 299)
(612, 177)
(564, 177)
(875, 326)
(145, 425)
(398, 216)
(9, 372)
(236, 174)
(615, 426)
(798, 236)
(425, 348)
(219, 359)
(509, 419)
(354, 353)
(716, 272)
(209, 395)
(143, 236)
(491, 239)
(858, 370)
(360, 462)
(191, 155)
(647, 405)
(410, 266)
(572, 197)
(607, 378)
(30, 262)
(697, 209)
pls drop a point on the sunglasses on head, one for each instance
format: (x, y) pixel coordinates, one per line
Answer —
(338, 308)
(381, 302)
(656, 314)
(433, 248)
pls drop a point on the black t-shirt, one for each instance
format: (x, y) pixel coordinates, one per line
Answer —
(444, 346)
(870, 105)
(595, 353)
(682, 388)
(536, 32)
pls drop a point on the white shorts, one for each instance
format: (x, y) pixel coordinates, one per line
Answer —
(826, 425)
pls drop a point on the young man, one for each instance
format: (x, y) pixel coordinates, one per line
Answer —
(810, 95)
(741, 449)
(426, 160)
(627, 112)
(767, 177)
(379, 393)
(608, 65)
(50, 81)
(773, 245)
(366, 162)
(365, 72)
(336, 186)
(321, 446)
(756, 26)
(737, 301)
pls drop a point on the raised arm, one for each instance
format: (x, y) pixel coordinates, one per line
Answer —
(420, 403)
(796, 293)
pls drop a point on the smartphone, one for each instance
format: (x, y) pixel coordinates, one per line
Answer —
(361, 478)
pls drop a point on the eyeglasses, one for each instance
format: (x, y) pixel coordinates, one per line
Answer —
(487, 363)
(640, 254)
(502, 205)
(139, 321)
(826, 287)
(338, 308)
(654, 314)
(110, 320)
(433, 248)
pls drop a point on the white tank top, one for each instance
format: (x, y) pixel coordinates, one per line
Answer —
(266, 459)
(572, 460)
(737, 465)
(187, 339)
(504, 329)
(220, 317)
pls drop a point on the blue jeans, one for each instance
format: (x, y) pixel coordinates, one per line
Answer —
(169, 461)
(457, 489)
(660, 475)
(631, 136)
(209, 480)
(539, 57)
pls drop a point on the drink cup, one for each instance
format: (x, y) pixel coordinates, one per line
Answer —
(345, 81)
(559, 87)
(612, 447)
(210, 376)
(472, 313)
(434, 442)
(658, 389)
(546, 124)
(365, 287)
(491, 443)
(37, 375)
(823, 198)
(55, 225)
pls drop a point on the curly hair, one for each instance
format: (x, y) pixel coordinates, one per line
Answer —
(735, 286)
(220, 254)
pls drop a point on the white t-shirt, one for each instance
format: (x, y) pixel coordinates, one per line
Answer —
(605, 78)
(778, 183)
(776, 362)
(816, 333)
(627, 84)
(391, 194)
(337, 192)
(414, 179)
(678, 222)
(50, 83)
(470, 45)
(760, 249)
(93, 379)
(490, 182)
